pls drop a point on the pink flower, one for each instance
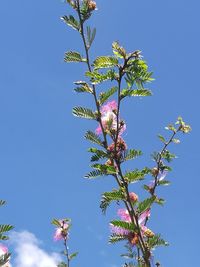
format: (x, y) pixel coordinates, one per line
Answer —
(62, 231)
(109, 119)
(131, 235)
(124, 215)
(119, 230)
(110, 106)
(3, 251)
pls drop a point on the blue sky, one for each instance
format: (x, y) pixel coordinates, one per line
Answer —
(43, 154)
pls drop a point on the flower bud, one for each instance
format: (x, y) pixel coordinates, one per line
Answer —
(133, 197)
(133, 238)
(148, 233)
(92, 5)
(154, 171)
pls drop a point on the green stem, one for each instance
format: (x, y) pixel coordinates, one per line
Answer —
(159, 160)
(128, 203)
(90, 69)
(67, 252)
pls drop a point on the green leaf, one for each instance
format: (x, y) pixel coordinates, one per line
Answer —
(5, 228)
(156, 241)
(90, 36)
(3, 237)
(145, 204)
(105, 62)
(97, 77)
(163, 182)
(83, 88)
(136, 175)
(114, 238)
(71, 21)
(72, 56)
(108, 197)
(162, 139)
(137, 74)
(56, 223)
(176, 141)
(98, 154)
(94, 138)
(123, 224)
(106, 95)
(84, 113)
(118, 50)
(94, 174)
(62, 264)
(137, 92)
(160, 201)
(104, 168)
(73, 255)
(132, 154)
(168, 156)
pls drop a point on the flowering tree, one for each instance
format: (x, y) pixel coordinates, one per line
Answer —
(128, 73)
(119, 76)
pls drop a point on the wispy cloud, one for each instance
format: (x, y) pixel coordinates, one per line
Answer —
(28, 252)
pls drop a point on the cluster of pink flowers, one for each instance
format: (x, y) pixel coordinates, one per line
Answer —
(131, 235)
(61, 232)
(109, 119)
(3, 251)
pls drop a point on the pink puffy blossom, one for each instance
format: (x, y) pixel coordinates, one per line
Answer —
(119, 230)
(109, 118)
(124, 215)
(62, 231)
(3, 251)
(131, 235)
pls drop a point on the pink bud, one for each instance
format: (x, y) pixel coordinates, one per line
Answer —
(133, 197)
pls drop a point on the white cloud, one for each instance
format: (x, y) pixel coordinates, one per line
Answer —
(28, 252)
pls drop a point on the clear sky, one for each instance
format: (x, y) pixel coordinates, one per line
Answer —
(43, 153)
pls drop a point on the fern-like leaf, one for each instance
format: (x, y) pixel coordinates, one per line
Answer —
(97, 77)
(136, 175)
(145, 204)
(122, 224)
(156, 241)
(72, 22)
(106, 95)
(136, 92)
(118, 50)
(94, 138)
(90, 36)
(108, 197)
(114, 238)
(132, 154)
(73, 56)
(94, 174)
(84, 113)
(105, 62)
